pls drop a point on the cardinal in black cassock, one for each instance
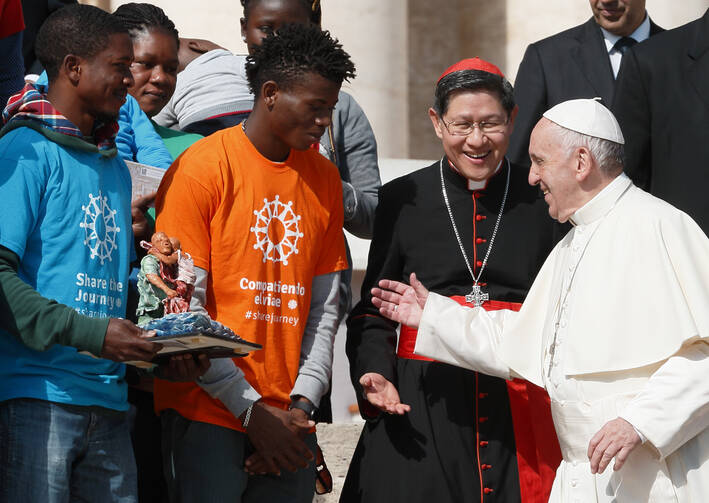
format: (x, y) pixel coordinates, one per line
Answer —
(468, 225)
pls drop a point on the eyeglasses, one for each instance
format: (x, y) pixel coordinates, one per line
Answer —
(464, 128)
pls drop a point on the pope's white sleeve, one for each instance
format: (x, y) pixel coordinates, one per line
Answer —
(462, 336)
(223, 380)
(673, 407)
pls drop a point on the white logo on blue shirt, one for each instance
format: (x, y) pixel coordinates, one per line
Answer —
(100, 227)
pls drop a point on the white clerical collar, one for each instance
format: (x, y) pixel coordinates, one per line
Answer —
(601, 202)
(641, 33)
(481, 184)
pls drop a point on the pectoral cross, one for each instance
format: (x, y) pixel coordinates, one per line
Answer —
(477, 296)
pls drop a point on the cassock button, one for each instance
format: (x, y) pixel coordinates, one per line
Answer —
(487, 490)
(480, 217)
(485, 466)
(479, 241)
(483, 443)
(482, 419)
(482, 395)
(477, 195)
(479, 263)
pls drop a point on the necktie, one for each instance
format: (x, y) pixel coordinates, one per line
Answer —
(623, 44)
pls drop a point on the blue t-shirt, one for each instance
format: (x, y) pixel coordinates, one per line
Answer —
(137, 139)
(66, 214)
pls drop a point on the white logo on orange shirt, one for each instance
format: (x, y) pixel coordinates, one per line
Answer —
(276, 230)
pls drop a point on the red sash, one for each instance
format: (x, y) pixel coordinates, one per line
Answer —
(538, 453)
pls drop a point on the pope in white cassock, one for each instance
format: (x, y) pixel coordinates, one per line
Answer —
(615, 326)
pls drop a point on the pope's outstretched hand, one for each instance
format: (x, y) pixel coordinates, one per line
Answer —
(401, 302)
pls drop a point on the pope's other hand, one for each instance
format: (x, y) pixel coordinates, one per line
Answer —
(616, 439)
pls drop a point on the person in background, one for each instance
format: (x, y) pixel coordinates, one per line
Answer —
(212, 92)
(662, 104)
(156, 45)
(581, 62)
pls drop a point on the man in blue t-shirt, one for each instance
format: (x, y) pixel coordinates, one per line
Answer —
(65, 248)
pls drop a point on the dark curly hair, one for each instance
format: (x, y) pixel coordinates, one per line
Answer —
(313, 7)
(139, 18)
(473, 80)
(81, 30)
(296, 49)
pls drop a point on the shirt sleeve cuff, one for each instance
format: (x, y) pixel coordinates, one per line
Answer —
(643, 439)
(309, 387)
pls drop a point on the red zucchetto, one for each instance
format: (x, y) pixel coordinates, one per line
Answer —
(472, 64)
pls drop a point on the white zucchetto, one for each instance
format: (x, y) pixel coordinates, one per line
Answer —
(587, 117)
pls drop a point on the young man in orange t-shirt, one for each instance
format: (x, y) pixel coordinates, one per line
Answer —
(261, 214)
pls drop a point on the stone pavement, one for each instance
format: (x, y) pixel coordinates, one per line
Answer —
(338, 442)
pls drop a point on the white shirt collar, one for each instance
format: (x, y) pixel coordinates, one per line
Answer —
(479, 185)
(641, 33)
(602, 202)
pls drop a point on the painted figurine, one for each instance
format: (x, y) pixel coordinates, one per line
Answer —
(166, 278)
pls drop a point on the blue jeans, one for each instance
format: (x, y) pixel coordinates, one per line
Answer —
(204, 463)
(56, 453)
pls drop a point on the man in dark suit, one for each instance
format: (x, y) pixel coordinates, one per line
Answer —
(662, 104)
(577, 63)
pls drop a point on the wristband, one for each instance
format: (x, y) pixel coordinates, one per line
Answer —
(245, 422)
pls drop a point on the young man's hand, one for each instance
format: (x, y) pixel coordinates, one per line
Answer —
(183, 368)
(125, 341)
(277, 437)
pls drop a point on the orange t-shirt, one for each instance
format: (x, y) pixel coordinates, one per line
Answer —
(263, 230)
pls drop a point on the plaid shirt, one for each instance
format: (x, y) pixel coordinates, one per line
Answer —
(31, 104)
